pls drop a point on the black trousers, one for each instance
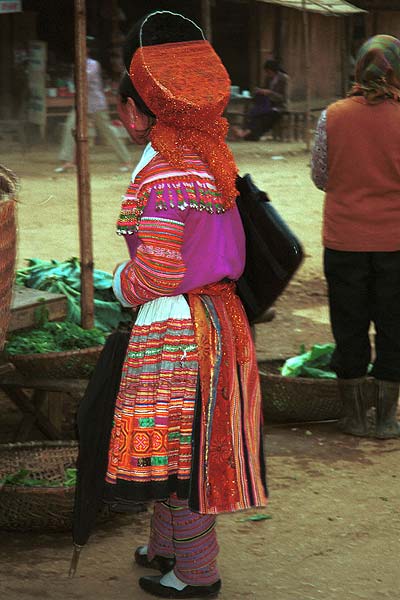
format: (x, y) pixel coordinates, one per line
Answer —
(260, 124)
(364, 288)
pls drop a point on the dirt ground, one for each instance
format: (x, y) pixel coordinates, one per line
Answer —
(335, 527)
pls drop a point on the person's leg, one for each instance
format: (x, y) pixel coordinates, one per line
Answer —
(261, 124)
(67, 150)
(386, 316)
(348, 279)
(195, 543)
(195, 548)
(161, 532)
(159, 553)
(104, 127)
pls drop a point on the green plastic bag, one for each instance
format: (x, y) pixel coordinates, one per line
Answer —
(314, 363)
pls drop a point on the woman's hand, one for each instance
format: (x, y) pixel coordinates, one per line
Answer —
(262, 91)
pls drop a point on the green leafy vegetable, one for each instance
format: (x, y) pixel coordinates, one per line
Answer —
(54, 337)
(65, 278)
(24, 478)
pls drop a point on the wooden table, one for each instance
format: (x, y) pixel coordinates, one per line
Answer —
(32, 395)
(62, 105)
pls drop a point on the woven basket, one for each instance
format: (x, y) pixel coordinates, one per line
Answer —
(73, 364)
(7, 262)
(37, 508)
(297, 399)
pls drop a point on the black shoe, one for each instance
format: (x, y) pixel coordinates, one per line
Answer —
(153, 586)
(159, 563)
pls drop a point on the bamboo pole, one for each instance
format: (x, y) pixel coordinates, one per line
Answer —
(306, 28)
(254, 44)
(82, 149)
(206, 19)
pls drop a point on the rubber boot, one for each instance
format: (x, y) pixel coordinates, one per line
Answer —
(355, 406)
(387, 395)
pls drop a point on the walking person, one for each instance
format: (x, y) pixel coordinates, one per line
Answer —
(98, 118)
(187, 429)
(355, 161)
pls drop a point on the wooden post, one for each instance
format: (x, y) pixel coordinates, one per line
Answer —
(206, 19)
(82, 149)
(346, 50)
(254, 45)
(307, 73)
(6, 66)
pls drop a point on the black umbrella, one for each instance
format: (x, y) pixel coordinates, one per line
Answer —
(95, 418)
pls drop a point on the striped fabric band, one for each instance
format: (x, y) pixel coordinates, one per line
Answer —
(190, 537)
(158, 268)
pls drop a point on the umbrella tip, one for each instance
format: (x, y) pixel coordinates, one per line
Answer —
(76, 553)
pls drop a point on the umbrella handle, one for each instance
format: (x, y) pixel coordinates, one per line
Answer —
(76, 553)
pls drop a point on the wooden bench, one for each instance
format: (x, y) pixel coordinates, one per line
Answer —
(41, 402)
(292, 126)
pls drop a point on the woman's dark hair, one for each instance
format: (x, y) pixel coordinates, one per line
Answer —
(160, 28)
(127, 90)
(92, 48)
(272, 65)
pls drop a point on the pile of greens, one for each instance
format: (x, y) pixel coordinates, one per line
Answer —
(54, 337)
(24, 478)
(65, 278)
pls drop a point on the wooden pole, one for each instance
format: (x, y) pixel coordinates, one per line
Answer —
(307, 60)
(206, 19)
(82, 150)
(346, 51)
(254, 44)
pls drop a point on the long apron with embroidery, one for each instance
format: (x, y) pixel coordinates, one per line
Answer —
(150, 450)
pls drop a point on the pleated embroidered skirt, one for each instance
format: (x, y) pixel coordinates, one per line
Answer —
(151, 441)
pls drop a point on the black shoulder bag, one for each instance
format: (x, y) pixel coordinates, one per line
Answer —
(273, 252)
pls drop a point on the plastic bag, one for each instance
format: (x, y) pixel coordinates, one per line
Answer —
(314, 363)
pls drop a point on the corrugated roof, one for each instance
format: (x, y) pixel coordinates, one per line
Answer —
(325, 7)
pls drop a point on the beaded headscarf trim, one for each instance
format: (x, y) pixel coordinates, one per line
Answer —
(187, 87)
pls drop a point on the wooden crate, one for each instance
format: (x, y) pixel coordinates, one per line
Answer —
(26, 301)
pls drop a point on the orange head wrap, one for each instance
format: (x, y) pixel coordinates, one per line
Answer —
(187, 87)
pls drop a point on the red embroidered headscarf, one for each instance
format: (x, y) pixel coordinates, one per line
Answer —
(187, 88)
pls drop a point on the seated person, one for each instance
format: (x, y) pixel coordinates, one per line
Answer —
(268, 105)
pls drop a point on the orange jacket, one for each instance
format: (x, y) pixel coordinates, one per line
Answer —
(362, 202)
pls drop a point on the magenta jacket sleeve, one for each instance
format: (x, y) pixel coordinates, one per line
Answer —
(157, 268)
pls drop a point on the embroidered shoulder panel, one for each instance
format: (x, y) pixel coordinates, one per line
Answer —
(168, 188)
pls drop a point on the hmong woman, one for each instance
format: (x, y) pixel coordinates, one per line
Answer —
(187, 427)
(356, 162)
